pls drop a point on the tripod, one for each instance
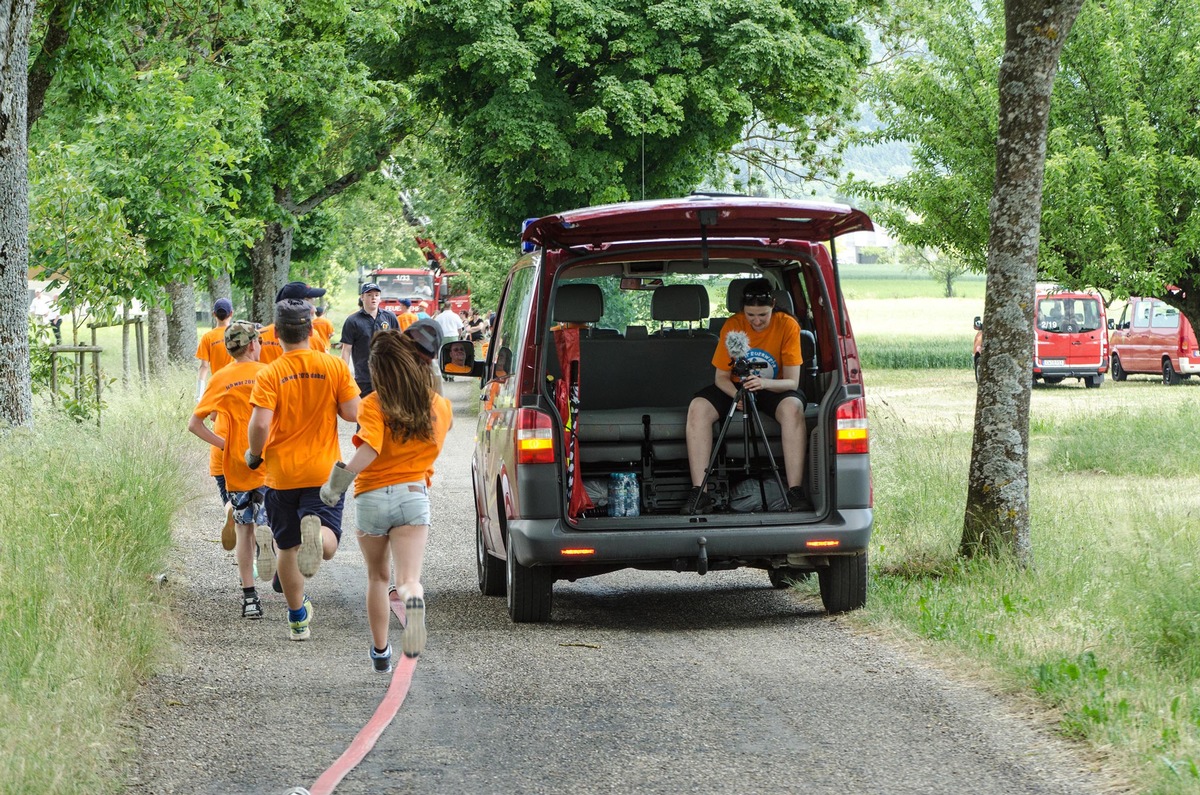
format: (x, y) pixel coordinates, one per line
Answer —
(751, 434)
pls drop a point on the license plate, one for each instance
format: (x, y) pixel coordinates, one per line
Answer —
(1053, 362)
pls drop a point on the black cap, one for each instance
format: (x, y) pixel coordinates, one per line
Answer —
(369, 287)
(298, 290)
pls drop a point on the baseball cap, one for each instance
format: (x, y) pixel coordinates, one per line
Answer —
(223, 306)
(298, 290)
(239, 335)
(428, 336)
(757, 293)
(369, 287)
(292, 312)
(405, 302)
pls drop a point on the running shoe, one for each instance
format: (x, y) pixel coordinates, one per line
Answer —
(299, 629)
(697, 502)
(382, 662)
(276, 585)
(797, 500)
(251, 607)
(265, 556)
(413, 642)
(309, 556)
(228, 534)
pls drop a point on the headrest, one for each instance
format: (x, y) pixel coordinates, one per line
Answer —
(679, 302)
(733, 297)
(578, 303)
(783, 301)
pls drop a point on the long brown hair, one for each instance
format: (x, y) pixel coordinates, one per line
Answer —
(400, 376)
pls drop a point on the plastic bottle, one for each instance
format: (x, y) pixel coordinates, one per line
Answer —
(633, 495)
(616, 494)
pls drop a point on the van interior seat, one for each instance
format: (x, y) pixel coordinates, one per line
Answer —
(681, 303)
(582, 303)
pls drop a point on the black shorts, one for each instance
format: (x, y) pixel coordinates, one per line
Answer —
(768, 402)
(285, 508)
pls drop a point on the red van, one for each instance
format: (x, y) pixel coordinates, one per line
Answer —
(1070, 340)
(604, 332)
(1153, 337)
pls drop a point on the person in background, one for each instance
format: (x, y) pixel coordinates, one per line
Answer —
(323, 326)
(211, 349)
(358, 330)
(406, 316)
(227, 397)
(475, 326)
(450, 323)
(271, 348)
(402, 428)
(293, 427)
(428, 337)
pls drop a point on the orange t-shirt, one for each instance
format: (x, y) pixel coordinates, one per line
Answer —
(304, 389)
(324, 328)
(228, 394)
(215, 463)
(398, 461)
(212, 349)
(405, 320)
(777, 346)
(272, 349)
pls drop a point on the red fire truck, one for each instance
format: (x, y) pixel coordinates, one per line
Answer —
(425, 287)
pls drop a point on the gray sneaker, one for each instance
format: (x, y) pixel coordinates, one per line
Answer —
(311, 548)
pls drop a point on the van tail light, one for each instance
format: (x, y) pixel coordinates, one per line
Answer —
(535, 437)
(852, 434)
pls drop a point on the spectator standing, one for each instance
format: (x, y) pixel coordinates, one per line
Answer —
(450, 323)
(403, 427)
(271, 348)
(358, 330)
(227, 398)
(296, 401)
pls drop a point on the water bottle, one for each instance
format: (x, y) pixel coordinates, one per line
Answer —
(633, 495)
(616, 494)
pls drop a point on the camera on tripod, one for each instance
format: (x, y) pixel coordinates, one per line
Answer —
(744, 368)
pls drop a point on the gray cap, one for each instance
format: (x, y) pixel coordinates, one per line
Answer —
(293, 312)
(428, 336)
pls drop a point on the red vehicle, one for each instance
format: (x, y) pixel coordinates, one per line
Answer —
(426, 288)
(1153, 337)
(1070, 340)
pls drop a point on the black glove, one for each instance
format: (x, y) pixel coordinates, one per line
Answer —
(253, 461)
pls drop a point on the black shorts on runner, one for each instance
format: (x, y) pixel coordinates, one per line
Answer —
(286, 507)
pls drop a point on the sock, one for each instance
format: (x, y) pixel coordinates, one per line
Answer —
(249, 591)
(379, 652)
(297, 615)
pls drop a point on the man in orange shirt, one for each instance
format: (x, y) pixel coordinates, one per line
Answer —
(271, 349)
(773, 345)
(297, 400)
(228, 398)
(211, 349)
(407, 317)
(323, 327)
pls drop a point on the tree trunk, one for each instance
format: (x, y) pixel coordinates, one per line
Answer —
(41, 74)
(156, 340)
(221, 286)
(996, 520)
(16, 392)
(181, 322)
(270, 261)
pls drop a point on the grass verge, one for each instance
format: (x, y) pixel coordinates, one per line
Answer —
(87, 523)
(1105, 628)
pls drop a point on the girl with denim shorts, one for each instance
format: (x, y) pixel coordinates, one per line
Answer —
(402, 427)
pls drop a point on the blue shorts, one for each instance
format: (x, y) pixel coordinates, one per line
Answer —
(379, 510)
(249, 507)
(286, 507)
(221, 488)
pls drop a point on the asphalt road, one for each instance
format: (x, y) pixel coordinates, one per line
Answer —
(642, 682)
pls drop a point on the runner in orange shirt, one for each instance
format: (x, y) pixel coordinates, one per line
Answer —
(402, 428)
(297, 400)
(271, 348)
(323, 326)
(228, 398)
(211, 349)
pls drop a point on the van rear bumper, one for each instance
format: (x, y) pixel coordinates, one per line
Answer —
(1070, 371)
(540, 542)
(1189, 366)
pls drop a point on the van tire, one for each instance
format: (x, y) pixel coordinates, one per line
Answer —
(844, 583)
(1116, 370)
(489, 568)
(530, 590)
(1170, 377)
(1093, 381)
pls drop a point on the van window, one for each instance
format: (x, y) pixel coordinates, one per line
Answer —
(1141, 315)
(1068, 315)
(1164, 317)
(509, 339)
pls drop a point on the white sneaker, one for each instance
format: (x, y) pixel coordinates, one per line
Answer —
(264, 560)
(308, 559)
(413, 642)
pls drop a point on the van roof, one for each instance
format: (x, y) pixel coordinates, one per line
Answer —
(715, 217)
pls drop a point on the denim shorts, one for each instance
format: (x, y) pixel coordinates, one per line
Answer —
(249, 507)
(286, 507)
(380, 510)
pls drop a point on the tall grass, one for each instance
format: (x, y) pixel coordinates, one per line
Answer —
(1105, 627)
(86, 517)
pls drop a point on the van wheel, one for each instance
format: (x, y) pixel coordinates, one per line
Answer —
(1170, 377)
(1093, 381)
(530, 590)
(844, 583)
(489, 568)
(786, 576)
(1116, 370)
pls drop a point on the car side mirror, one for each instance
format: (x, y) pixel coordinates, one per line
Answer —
(978, 323)
(457, 357)
(1111, 324)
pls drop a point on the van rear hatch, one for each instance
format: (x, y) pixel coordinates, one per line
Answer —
(694, 218)
(1071, 332)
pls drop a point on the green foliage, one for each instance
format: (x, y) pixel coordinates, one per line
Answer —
(555, 104)
(75, 396)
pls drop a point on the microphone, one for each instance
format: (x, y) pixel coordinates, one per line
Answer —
(738, 344)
